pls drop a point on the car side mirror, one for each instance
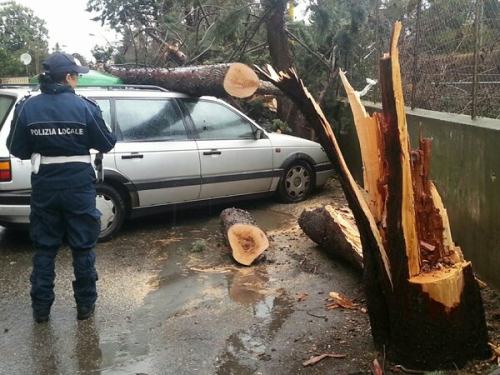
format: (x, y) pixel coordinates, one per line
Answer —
(258, 133)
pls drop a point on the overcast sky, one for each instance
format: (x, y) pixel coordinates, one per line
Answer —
(70, 25)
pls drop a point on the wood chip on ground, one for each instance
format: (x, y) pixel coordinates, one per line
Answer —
(315, 359)
(337, 300)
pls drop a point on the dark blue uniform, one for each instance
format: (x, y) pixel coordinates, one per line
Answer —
(60, 123)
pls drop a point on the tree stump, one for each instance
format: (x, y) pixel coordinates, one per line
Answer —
(246, 240)
(424, 303)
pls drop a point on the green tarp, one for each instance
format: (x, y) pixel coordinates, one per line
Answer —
(93, 78)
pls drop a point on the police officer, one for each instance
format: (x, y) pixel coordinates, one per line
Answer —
(56, 129)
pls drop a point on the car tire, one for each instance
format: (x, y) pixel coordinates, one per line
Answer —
(297, 182)
(112, 207)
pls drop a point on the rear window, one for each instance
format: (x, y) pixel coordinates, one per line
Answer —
(6, 103)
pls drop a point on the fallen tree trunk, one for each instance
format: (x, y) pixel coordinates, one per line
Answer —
(246, 240)
(335, 231)
(424, 303)
(218, 80)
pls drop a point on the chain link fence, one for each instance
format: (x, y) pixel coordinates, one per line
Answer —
(449, 53)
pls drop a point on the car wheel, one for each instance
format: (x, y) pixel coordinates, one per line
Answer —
(297, 182)
(112, 207)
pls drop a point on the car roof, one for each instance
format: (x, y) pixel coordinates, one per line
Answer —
(118, 91)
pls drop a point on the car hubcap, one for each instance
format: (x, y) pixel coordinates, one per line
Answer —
(297, 181)
(108, 211)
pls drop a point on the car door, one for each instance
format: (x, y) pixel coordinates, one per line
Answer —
(108, 160)
(155, 152)
(233, 161)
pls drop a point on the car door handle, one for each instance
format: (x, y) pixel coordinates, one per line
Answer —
(212, 152)
(133, 156)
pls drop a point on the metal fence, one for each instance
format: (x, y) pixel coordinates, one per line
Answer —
(449, 53)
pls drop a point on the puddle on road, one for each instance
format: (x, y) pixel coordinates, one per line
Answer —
(247, 286)
(179, 290)
(270, 219)
(244, 349)
(270, 308)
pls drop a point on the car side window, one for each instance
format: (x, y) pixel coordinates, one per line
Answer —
(215, 121)
(105, 106)
(149, 120)
(6, 103)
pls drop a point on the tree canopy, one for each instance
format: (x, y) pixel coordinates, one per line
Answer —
(20, 32)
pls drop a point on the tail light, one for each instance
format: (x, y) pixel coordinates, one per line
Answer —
(5, 170)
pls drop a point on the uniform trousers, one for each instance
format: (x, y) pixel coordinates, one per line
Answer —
(59, 215)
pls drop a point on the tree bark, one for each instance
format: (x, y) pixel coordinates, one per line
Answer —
(335, 231)
(373, 250)
(424, 303)
(279, 52)
(217, 80)
(246, 240)
(279, 49)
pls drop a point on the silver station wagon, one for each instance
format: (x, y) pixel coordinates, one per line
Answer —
(172, 150)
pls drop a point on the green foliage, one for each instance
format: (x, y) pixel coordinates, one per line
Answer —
(198, 246)
(20, 31)
(208, 32)
(280, 126)
(351, 33)
(227, 27)
(102, 54)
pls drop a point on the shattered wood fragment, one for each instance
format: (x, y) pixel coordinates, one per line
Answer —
(219, 80)
(405, 370)
(376, 368)
(371, 143)
(246, 240)
(294, 88)
(315, 359)
(302, 296)
(340, 300)
(495, 356)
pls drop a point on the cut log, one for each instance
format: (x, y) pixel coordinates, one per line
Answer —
(219, 80)
(335, 231)
(294, 88)
(246, 240)
(424, 303)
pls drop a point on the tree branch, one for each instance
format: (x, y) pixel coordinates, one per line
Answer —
(201, 53)
(332, 75)
(319, 56)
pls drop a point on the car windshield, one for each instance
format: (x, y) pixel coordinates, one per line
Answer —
(5, 105)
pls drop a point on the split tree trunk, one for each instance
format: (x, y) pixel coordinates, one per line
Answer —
(424, 303)
(246, 240)
(219, 80)
(281, 56)
(334, 230)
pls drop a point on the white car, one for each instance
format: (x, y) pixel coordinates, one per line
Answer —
(172, 149)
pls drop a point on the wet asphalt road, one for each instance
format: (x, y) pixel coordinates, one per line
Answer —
(172, 301)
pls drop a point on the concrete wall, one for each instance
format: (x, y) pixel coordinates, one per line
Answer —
(14, 80)
(465, 166)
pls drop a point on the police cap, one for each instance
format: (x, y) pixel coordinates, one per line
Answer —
(60, 62)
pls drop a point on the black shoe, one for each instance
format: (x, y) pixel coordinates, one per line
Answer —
(84, 312)
(41, 316)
